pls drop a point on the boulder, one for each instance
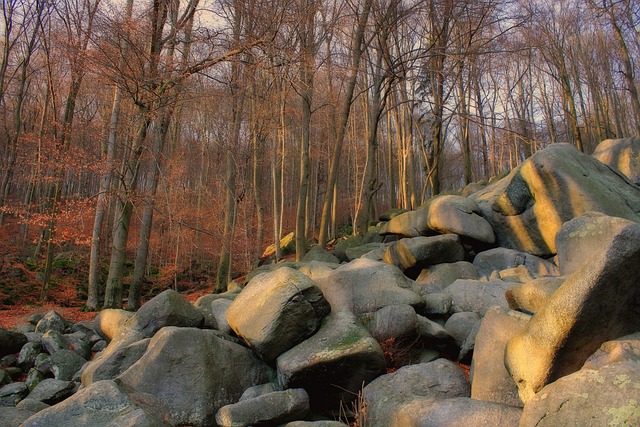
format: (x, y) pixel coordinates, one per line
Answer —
(460, 324)
(581, 237)
(320, 423)
(203, 304)
(333, 364)
(52, 321)
(80, 343)
(168, 308)
(340, 250)
(458, 215)
(11, 342)
(499, 259)
(103, 404)
(364, 285)
(618, 350)
(185, 368)
(411, 255)
(13, 417)
(393, 321)
(387, 395)
(519, 274)
(52, 391)
(608, 396)
(65, 363)
(53, 341)
(273, 409)
(477, 296)
(34, 377)
(437, 304)
(457, 411)
(28, 353)
(276, 311)
(432, 334)
(110, 321)
(527, 208)
(532, 296)
(597, 303)
(436, 277)
(621, 155)
(317, 253)
(13, 393)
(31, 405)
(109, 366)
(363, 250)
(219, 308)
(490, 380)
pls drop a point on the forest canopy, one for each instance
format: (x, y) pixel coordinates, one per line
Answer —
(182, 135)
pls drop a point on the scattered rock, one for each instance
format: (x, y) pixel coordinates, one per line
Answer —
(11, 342)
(109, 366)
(219, 308)
(532, 296)
(28, 353)
(168, 308)
(435, 278)
(477, 296)
(272, 409)
(52, 321)
(13, 393)
(52, 391)
(499, 259)
(65, 363)
(317, 253)
(413, 254)
(460, 324)
(393, 321)
(13, 417)
(276, 311)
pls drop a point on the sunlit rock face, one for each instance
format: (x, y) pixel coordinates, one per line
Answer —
(622, 155)
(600, 301)
(527, 208)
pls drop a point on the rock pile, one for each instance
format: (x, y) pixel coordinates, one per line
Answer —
(533, 280)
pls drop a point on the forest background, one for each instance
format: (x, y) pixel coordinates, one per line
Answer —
(154, 143)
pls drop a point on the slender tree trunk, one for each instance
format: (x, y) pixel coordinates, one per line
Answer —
(357, 50)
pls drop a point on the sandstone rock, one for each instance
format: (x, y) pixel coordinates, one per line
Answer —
(203, 304)
(413, 254)
(11, 342)
(102, 404)
(317, 253)
(365, 286)
(110, 321)
(490, 380)
(387, 395)
(272, 409)
(168, 308)
(618, 350)
(499, 259)
(184, 369)
(458, 215)
(622, 155)
(437, 277)
(52, 391)
(581, 237)
(276, 311)
(333, 364)
(532, 296)
(592, 398)
(52, 321)
(360, 251)
(31, 405)
(519, 274)
(457, 411)
(109, 366)
(437, 304)
(393, 321)
(527, 208)
(477, 296)
(340, 250)
(597, 303)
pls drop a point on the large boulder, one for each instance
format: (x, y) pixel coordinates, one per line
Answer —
(393, 321)
(597, 303)
(530, 297)
(364, 285)
(52, 391)
(203, 304)
(436, 277)
(276, 311)
(318, 253)
(103, 404)
(109, 366)
(271, 409)
(457, 411)
(608, 396)
(11, 342)
(499, 259)
(622, 155)
(168, 308)
(581, 237)
(65, 363)
(527, 208)
(477, 296)
(193, 373)
(52, 321)
(443, 215)
(490, 380)
(388, 395)
(411, 255)
(110, 321)
(333, 364)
